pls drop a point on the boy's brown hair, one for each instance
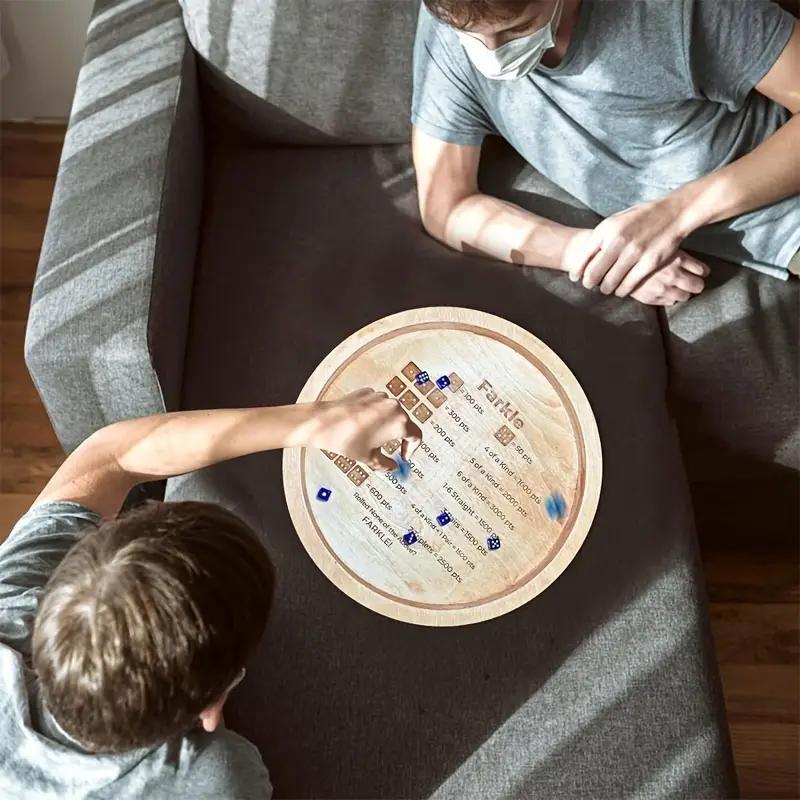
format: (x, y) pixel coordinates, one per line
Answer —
(464, 13)
(147, 621)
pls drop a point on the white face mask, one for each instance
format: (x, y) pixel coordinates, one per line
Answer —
(516, 58)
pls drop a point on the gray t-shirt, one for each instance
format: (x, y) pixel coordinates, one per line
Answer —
(37, 758)
(650, 95)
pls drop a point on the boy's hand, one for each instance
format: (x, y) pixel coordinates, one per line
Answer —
(359, 424)
(624, 251)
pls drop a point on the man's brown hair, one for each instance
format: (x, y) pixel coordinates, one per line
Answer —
(464, 13)
(147, 621)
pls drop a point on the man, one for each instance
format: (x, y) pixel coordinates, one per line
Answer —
(121, 637)
(676, 120)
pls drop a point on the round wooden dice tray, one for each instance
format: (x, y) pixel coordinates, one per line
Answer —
(501, 494)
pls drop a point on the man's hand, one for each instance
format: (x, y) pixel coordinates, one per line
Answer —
(359, 424)
(673, 283)
(636, 253)
(626, 249)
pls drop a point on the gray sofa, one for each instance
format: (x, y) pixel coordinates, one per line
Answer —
(223, 216)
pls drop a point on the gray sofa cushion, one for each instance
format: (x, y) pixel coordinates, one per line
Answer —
(602, 687)
(307, 71)
(733, 354)
(116, 264)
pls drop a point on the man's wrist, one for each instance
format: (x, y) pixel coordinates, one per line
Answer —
(689, 207)
(575, 243)
(551, 248)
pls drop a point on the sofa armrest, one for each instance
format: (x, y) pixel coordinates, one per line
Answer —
(109, 314)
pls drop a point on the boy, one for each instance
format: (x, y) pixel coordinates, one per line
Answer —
(120, 638)
(677, 120)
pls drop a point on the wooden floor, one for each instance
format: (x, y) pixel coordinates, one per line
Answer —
(752, 585)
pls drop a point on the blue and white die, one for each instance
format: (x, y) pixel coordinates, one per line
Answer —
(556, 506)
(324, 494)
(422, 377)
(410, 537)
(493, 542)
(444, 518)
(443, 382)
(403, 468)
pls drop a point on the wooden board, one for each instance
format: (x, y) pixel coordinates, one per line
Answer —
(511, 453)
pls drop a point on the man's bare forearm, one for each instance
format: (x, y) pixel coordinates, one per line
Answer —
(769, 173)
(457, 214)
(489, 226)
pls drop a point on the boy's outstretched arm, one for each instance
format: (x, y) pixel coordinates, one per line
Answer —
(104, 468)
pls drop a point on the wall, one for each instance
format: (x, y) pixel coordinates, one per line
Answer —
(44, 41)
